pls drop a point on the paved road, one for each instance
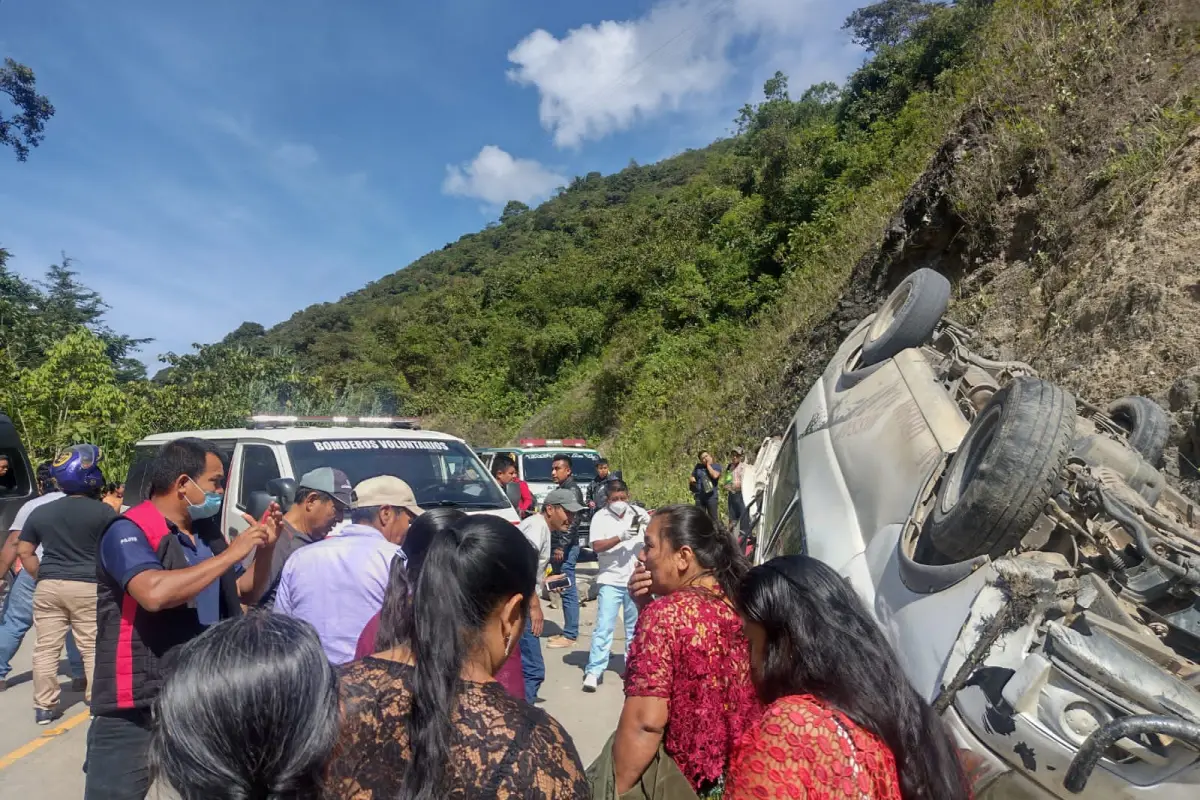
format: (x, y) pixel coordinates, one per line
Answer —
(47, 763)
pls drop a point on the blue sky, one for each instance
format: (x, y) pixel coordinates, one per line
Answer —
(212, 163)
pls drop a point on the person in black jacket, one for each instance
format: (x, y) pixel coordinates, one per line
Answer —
(564, 555)
(598, 489)
(165, 575)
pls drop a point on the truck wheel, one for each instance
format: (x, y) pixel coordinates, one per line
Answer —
(907, 318)
(1005, 471)
(1148, 425)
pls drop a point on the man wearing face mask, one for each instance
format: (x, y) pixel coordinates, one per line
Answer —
(337, 585)
(617, 537)
(165, 574)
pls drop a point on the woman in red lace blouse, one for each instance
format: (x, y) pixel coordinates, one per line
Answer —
(687, 673)
(842, 720)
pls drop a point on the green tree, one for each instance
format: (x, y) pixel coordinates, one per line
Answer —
(21, 127)
(888, 22)
(513, 209)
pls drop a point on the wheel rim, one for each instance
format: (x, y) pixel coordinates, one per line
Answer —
(974, 448)
(887, 314)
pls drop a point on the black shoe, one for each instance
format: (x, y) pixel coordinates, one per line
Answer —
(44, 716)
(78, 684)
(3, 684)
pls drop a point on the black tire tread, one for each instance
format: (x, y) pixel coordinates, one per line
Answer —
(915, 321)
(1149, 426)
(1018, 476)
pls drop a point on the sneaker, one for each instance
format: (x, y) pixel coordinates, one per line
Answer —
(590, 682)
(78, 684)
(44, 716)
(559, 642)
(3, 684)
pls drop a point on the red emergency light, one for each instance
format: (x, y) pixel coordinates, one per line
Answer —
(552, 443)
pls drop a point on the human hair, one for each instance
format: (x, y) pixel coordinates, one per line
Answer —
(563, 457)
(304, 492)
(601, 462)
(186, 456)
(821, 640)
(472, 568)
(716, 551)
(364, 515)
(394, 617)
(617, 485)
(701, 454)
(267, 732)
(44, 477)
(501, 463)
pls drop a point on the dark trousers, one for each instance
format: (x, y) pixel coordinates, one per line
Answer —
(710, 505)
(737, 510)
(533, 667)
(118, 745)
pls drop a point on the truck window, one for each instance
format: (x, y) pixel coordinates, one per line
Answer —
(257, 468)
(440, 473)
(785, 487)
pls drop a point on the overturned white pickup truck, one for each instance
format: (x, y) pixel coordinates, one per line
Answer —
(1031, 566)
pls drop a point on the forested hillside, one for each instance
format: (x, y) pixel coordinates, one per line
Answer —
(687, 304)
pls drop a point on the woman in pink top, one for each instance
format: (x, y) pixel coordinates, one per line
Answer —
(401, 580)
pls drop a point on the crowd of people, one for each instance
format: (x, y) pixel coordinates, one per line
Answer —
(402, 657)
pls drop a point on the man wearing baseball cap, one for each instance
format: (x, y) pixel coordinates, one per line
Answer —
(321, 502)
(339, 583)
(558, 510)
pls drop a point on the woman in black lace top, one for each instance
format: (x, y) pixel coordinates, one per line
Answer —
(427, 720)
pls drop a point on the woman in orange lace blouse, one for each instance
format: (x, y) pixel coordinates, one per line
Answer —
(842, 720)
(687, 674)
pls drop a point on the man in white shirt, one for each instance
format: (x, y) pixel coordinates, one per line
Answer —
(16, 613)
(618, 534)
(558, 509)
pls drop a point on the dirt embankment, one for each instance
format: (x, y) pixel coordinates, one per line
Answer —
(1066, 210)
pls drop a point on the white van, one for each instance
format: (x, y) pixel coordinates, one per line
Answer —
(272, 452)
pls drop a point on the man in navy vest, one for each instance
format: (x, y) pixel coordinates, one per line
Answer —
(165, 574)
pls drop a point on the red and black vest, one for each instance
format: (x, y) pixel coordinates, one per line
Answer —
(134, 647)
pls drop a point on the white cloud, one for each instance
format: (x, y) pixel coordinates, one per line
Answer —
(496, 177)
(599, 79)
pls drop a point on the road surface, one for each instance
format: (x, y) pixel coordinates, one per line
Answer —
(47, 762)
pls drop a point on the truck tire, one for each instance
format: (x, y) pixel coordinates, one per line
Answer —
(907, 318)
(1007, 468)
(1148, 425)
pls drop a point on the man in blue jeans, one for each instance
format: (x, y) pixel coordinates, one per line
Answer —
(17, 615)
(558, 510)
(617, 537)
(565, 554)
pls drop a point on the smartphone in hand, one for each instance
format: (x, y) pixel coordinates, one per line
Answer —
(559, 583)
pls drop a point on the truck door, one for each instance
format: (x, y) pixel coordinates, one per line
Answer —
(254, 464)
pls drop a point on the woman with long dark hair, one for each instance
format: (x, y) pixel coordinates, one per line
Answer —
(387, 628)
(269, 728)
(425, 718)
(687, 674)
(842, 718)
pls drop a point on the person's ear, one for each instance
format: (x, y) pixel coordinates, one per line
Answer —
(510, 617)
(684, 558)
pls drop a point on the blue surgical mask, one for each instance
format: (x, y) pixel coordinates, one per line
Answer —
(209, 508)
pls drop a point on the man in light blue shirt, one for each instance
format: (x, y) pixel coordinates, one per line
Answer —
(339, 583)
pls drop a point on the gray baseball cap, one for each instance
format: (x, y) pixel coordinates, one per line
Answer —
(565, 498)
(332, 482)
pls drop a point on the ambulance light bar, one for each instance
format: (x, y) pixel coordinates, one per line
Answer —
(283, 420)
(552, 443)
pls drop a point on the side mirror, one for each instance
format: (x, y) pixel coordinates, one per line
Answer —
(283, 490)
(258, 503)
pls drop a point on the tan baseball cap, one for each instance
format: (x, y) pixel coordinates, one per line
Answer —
(385, 490)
